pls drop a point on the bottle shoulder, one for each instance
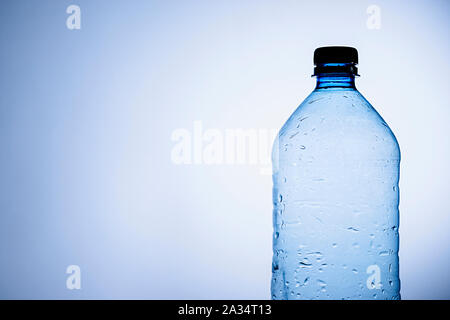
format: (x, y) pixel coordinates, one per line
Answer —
(340, 117)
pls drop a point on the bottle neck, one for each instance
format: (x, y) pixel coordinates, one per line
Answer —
(326, 81)
(336, 75)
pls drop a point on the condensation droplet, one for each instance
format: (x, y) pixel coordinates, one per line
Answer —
(321, 283)
(305, 282)
(305, 263)
(294, 135)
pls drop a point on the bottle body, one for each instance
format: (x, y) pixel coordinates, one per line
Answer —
(335, 195)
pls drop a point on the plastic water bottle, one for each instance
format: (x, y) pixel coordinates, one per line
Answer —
(335, 175)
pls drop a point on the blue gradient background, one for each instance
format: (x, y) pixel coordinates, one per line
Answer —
(86, 118)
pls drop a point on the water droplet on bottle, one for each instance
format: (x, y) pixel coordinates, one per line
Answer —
(316, 253)
(293, 135)
(280, 253)
(321, 283)
(305, 263)
(305, 282)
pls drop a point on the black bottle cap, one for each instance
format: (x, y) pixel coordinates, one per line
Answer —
(335, 55)
(348, 56)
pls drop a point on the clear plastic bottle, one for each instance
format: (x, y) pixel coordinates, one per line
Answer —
(335, 174)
